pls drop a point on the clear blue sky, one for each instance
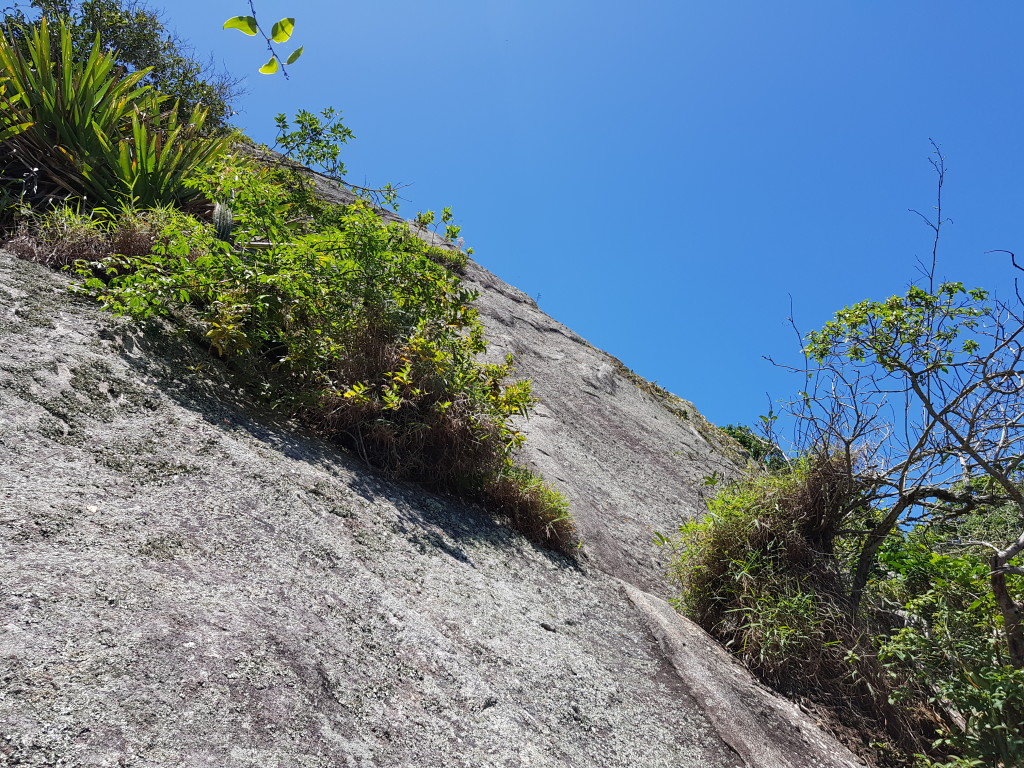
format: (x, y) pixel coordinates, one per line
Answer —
(664, 174)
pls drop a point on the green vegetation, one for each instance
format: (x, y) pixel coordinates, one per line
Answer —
(89, 131)
(922, 669)
(326, 312)
(762, 452)
(314, 141)
(136, 36)
(877, 575)
(948, 644)
(761, 572)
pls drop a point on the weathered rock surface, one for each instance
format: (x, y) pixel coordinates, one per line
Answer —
(630, 457)
(185, 581)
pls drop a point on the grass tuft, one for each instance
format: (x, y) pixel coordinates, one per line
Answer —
(534, 508)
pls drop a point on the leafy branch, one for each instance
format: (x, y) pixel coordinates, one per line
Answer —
(281, 32)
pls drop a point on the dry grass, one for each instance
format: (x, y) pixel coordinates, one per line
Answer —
(454, 450)
(61, 237)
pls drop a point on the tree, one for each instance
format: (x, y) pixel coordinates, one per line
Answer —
(923, 394)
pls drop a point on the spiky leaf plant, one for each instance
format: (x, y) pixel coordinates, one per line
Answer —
(93, 131)
(12, 119)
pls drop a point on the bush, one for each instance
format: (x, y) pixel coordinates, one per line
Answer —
(768, 537)
(762, 573)
(354, 326)
(944, 645)
(61, 237)
(921, 665)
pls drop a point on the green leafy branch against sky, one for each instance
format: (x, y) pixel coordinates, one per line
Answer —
(280, 32)
(665, 175)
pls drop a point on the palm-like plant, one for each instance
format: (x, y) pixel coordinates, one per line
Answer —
(92, 130)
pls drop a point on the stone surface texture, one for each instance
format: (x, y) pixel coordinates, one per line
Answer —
(186, 580)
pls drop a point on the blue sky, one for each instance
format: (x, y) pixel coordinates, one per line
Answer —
(664, 175)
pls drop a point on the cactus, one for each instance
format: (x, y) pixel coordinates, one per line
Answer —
(223, 222)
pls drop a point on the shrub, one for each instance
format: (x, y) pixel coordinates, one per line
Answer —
(921, 664)
(762, 573)
(944, 646)
(769, 534)
(355, 327)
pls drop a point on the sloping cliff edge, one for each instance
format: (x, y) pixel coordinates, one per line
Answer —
(185, 580)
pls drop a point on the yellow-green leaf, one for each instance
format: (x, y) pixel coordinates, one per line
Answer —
(282, 30)
(246, 24)
(8, 131)
(295, 55)
(270, 67)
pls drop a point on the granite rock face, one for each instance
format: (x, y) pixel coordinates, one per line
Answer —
(630, 456)
(185, 580)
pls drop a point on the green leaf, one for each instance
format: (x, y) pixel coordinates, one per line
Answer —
(295, 55)
(282, 30)
(270, 67)
(246, 24)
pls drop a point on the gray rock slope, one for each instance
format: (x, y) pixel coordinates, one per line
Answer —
(630, 456)
(186, 581)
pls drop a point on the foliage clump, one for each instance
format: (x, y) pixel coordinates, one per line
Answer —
(74, 127)
(945, 636)
(786, 523)
(760, 573)
(762, 452)
(138, 39)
